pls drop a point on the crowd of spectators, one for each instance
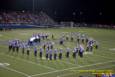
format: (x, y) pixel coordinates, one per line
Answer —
(22, 17)
(41, 18)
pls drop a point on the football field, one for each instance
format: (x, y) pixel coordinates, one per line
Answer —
(19, 65)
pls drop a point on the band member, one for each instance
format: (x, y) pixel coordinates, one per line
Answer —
(87, 47)
(71, 38)
(23, 48)
(81, 50)
(96, 45)
(17, 47)
(83, 40)
(13, 46)
(90, 45)
(67, 52)
(51, 46)
(78, 39)
(86, 40)
(47, 52)
(35, 52)
(61, 41)
(52, 36)
(10, 45)
(50, 54)
(75, 52)
(60, 53)
(67, 38)
(55, 54)
(44, 46)
(41, 52)
(48, 46)
(28, 50)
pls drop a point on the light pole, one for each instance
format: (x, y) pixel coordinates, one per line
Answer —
(33, 6)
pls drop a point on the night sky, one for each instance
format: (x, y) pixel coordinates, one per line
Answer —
(89, 11)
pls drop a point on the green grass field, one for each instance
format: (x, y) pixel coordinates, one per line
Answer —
(21, 66)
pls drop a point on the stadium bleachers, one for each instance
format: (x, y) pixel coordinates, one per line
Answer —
(25, 18)
(22, 19)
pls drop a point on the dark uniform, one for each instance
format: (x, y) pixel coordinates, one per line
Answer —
(51, 46)
(87, 48)
(46, 36)
(91, 46)
(71, 38)
(60, 54)
(55, 54)
(13, 46)
(47, 51)
(50, 56)
(75, 52)
(96, 45)
(67, 38)
(23, 48)
(67, 52)
(41, 51)
(44, 46)
(10, 46)
(28, 51)
(39, 40)
(52, 36)
(81, 51)
(83, 40)
(61, 42)
(78, 40)
(87, 40)
(48, 47)
(17, 47)
(35, 52)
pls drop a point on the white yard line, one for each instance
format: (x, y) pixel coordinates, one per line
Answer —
(4, 64)
(103, 56)
(53, 68)
(105, 67)
(65, 75)
(70, 63)
(67, 62)
(112, 49)
(63, 62)
(10, 69)
(31, 62)
(78, 70)
(72, 68)
(109, 52)
(1, 35)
